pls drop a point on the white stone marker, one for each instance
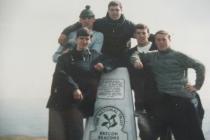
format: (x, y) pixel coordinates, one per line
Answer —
(113, 117)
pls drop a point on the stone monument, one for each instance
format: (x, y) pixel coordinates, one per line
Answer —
(113, 117)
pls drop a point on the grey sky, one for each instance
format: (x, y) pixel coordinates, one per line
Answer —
(29, 31)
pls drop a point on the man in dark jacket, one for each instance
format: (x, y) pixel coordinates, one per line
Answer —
(144, 87)
(117, 31)
(139, 77)
(73, 89)
(174, 109)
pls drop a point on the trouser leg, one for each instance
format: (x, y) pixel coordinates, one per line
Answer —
(65, 125)
(149, 126)
(183, 121)
(56, 130)
(74, 124)
(138, 94)
(137, 84)
(180, 116)
(198, 107)
(167, 135)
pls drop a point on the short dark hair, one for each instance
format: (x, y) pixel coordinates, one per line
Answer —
(164, 33)
(141, 26)
(115, 3)
(84, 31)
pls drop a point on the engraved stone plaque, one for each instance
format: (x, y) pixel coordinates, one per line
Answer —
(111, 89)
(113, 117)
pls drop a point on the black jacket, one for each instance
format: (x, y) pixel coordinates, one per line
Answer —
(74, 70)
(117, 34)
(142, 81)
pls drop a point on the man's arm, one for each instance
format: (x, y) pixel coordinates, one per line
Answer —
(136, 61)
(63, 38)
(58, 53)
(71, 28)
(188, 62)
(108, 63)
(62, 76)
(97, 42)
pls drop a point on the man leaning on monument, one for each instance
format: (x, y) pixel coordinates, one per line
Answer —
(174, 108)
(73, 90)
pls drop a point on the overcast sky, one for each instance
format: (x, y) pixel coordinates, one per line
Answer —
(29, 30)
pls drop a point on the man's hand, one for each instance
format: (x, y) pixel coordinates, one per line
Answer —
(190, 88)
(99, 66)
(77, 94)
(63, 39)
(138, 65)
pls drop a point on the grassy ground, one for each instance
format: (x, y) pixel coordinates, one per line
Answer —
(21, 138)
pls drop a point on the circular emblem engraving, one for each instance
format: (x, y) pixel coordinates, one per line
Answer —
(109, 122)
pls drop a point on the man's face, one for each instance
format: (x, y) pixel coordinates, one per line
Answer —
(141, 36)
(83, 42)
(115, 12)
(87, 22)
(162, 41)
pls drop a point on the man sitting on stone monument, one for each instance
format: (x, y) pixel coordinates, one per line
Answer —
(86, 19)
